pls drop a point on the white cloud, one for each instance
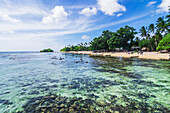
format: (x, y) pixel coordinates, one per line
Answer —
(31, 34)
(163, 7)
(120, 14)
(57, 14)
(6, 17)
(22, 7)
(85, 37)
(88, 11)
(27, 43)
(78, 6)
(40, 40)
(151, 3)
(114, 23)
(109, 7)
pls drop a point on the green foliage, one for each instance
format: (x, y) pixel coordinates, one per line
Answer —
(164, 43)
(80, 47)
(65, 49)
(126, 35)
(143, 31)
(100, 43)
(162, 24)
(144, 43)
(125, 38)
(136, 42)
(47, 50)
(114, 42)
(148, 43)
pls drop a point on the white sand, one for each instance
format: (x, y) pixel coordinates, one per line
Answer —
(145, 55)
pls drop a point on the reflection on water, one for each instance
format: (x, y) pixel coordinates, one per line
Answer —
(58, 82)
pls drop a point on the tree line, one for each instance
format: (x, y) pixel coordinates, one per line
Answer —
(152, 38)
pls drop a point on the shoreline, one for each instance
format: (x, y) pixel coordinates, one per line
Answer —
(145, 55)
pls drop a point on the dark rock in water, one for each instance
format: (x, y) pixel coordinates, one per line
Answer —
(34, 92)
(22, 93)
(113, 97)
(153, 96)
(101, 103)
(143, 95)
(61, 58)
(38, 105)
(148, 83)
(53, 86)
(5, 102)
(164, 81)
(27, 84)
(4, 93)
(92, 96)
(51, 80)
(54, 57)
(60, 104)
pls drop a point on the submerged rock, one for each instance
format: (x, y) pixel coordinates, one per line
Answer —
(54, 57)
(5, 102)
(34, 92)
(61, 58)
(60, 104)
(101, 103)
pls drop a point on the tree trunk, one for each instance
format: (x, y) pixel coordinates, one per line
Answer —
(156, 42)
(165, 33)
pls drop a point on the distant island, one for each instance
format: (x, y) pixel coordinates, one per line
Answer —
(47, 50)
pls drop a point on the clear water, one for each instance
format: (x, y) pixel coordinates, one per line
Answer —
(28, 75)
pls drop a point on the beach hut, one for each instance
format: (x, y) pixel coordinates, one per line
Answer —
(145, 49)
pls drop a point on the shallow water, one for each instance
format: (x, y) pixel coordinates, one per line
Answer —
(105, 82)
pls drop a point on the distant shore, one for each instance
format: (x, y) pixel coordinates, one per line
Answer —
(144, 55)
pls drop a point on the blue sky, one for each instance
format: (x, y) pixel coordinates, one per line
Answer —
(32, 25)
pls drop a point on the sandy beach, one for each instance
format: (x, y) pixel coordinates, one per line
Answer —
(145, 55)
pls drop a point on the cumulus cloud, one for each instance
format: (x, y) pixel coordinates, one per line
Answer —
(151, 3)
(120, 14)
(88, 11)
(109, 7)
(57, 14)
(164, 6)
(85, 37)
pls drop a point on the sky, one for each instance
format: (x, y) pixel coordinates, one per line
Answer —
(33, 25)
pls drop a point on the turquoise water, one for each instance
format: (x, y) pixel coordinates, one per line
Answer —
(102, 84)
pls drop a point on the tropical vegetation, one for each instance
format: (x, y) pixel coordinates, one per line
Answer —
(154, 37)
(47, 50)
(164, 43)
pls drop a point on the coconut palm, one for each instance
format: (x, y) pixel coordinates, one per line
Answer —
(143, 31)
(85, 44)
(161, 25)
(168, 22)
(152, 30)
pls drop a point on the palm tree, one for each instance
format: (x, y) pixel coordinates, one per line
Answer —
(89, 44)
(161, 25)
(85, 44)
(152, 29)
(143, 32)
(168, 21)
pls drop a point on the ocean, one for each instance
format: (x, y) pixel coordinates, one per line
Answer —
(60, 82)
